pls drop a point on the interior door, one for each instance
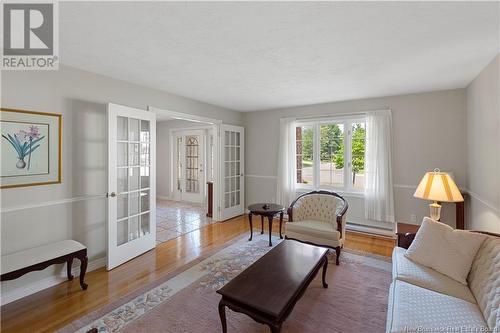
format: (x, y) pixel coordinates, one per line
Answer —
(189, 165)
(233, 164)
(194, 167)
(131, 183)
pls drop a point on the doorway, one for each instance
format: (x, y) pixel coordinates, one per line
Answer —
(184, 171)
(191, 154)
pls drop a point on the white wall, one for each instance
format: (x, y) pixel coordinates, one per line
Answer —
(483, 149)
(76, 208)
(163, 153)
(428, 133)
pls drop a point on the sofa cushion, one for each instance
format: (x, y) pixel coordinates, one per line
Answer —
(406, 270)
(450, 252)
(314, 228)
(484, 281)
(416, 309)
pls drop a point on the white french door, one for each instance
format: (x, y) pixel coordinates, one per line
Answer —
(232, 168)
(190, 166)
(131, 183)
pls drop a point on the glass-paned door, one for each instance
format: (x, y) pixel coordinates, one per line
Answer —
(131, 183)
(232, 148)
(190, 165)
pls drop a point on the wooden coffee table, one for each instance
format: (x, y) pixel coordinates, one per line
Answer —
(268, 290)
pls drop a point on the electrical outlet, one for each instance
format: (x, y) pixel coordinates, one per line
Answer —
(413, 218)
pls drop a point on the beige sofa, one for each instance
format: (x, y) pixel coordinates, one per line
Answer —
(424, 300)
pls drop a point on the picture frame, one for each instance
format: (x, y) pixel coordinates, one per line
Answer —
(30, 146)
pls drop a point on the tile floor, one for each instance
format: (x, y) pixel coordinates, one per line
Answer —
(176, 218)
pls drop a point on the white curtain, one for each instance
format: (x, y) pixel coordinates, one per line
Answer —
(379, 191)
(286, 162)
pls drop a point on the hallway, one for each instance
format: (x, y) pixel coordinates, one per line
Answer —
(176, 218)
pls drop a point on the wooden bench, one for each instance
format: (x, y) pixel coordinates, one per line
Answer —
(17, 264)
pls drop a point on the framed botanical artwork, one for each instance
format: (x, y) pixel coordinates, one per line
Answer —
(30, 148)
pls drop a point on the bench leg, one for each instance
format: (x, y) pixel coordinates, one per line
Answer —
(69, 265)
(83, 269)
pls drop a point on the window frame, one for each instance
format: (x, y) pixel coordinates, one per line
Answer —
(347, 122)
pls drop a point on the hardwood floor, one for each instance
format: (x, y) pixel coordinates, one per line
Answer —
(58, 306)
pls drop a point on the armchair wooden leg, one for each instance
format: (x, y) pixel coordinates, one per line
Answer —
(337, 259)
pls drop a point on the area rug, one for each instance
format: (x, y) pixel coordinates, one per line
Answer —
(355, 301)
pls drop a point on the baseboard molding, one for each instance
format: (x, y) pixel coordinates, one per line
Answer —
(50, 281)
(163, 197)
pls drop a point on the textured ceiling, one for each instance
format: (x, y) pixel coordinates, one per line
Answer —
(261, 55)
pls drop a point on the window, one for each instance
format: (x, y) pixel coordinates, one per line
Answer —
(331, 154)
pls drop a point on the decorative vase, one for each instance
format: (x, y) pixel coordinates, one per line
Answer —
(21, 164)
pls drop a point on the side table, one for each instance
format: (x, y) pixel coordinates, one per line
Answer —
(268, 210)
(405, 233)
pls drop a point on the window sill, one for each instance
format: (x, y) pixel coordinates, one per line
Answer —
(349, 194)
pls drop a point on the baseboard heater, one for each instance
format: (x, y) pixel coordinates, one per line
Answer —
(370, 230)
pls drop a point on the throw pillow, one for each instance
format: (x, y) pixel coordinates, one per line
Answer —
(448, 251)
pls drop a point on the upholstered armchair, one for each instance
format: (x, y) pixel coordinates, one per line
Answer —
(318, 218)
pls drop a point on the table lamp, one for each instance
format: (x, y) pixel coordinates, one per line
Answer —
(439, 187)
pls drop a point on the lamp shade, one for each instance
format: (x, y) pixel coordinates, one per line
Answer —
(438, 186)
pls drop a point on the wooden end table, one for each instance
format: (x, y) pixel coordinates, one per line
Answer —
(268, 290)
(405, 233)
(268, 210)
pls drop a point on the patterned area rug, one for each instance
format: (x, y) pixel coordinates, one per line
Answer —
(356, 300)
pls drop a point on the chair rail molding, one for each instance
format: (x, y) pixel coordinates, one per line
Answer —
(51, 203)
(261, 176)
(413, 187)
(485, 202)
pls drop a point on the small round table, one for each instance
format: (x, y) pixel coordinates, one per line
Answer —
(265, 209)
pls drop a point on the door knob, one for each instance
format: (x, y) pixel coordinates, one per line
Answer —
(112, 195)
